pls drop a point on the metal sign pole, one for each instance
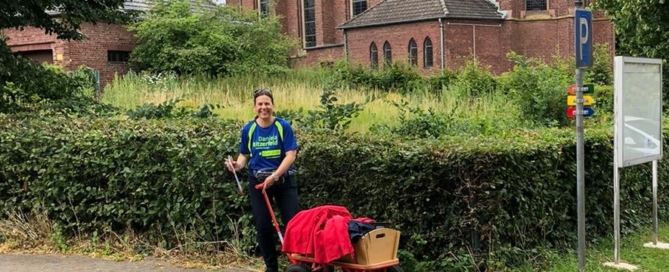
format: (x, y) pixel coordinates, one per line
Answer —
(616, 210)
(580, 184)
(655, 202)
(579, 170)
(579, 167)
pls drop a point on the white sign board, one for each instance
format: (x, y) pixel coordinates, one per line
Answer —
(638, 110)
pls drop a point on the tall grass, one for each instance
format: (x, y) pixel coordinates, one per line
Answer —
(301, 89)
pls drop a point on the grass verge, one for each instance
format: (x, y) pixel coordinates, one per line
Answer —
(632, 251)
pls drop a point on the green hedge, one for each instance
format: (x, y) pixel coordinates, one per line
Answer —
(505, 198)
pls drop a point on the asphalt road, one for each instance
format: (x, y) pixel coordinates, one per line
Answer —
(60, 263)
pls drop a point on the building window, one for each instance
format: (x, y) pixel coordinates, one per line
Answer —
(373, 56)
(387, 54)
(536, 5)
(264, 7)
(358, 6)
(427, 53)
(309, 23)
(413, 53)
(118, 56)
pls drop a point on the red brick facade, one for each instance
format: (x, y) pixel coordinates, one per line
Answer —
(91, 52)
(542, 34)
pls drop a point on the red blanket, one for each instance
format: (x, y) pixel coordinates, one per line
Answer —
(321, 232)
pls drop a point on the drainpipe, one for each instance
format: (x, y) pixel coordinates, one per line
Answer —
(474, 39)
(441, 42)
(345, 45)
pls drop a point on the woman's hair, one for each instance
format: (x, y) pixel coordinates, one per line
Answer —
(260, 92)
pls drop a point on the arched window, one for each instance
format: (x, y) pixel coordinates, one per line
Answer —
(387, 54)
(309, 13)
(373, 56)
(427, 53)
(413, 52)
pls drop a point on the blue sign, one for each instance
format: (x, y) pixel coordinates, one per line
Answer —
(583, 38)
(587, 111)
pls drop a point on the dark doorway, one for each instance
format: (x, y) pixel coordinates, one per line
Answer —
(38, 56)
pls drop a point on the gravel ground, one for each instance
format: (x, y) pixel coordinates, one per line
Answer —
(61, 263)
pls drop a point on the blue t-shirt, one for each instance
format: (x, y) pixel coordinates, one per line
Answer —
(267, 145)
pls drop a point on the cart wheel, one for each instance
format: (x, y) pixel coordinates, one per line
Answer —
(298, 268)
(396, 268)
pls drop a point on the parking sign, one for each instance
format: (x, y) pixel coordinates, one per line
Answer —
(583, 38)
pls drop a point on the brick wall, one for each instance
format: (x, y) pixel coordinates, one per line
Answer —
(92, 52)
(488, 42)
(359, 41)
(31, 39)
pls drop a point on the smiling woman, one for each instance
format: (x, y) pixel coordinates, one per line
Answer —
(269, 146)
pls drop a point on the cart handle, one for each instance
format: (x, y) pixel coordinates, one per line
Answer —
(274, 222)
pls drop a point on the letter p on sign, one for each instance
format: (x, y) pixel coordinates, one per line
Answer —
(583, 38)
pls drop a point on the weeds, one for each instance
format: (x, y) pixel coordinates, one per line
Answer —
(34, 232)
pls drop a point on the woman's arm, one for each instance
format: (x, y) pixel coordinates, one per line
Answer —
(242, 159)
(285, 163)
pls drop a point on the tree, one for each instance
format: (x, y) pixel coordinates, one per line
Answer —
(216, 41)
(642, 29)
(21, 81)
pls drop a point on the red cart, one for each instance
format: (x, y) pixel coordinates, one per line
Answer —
(301, 263)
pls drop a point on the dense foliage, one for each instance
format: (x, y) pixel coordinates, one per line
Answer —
(218, 41)
(505, 198)
(642, 29)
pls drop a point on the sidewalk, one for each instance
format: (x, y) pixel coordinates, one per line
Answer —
(62, 263)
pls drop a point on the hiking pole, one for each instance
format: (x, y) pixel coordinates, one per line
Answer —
(239, 185)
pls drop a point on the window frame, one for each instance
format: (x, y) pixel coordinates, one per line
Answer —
(535, 6)
(428, 42)
(118, 56)
(309, 38)
(263, 8)
(413, 52)
(353, 10)
(387, 53)
(373, 56)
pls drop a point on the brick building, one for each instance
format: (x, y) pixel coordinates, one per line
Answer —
(106, 48)
(430, 34)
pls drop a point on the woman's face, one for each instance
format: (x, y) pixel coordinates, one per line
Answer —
(264, 106)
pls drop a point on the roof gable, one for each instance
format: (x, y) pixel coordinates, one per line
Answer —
(402, 11)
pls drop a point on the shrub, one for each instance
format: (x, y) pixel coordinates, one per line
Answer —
(217, 42)
(27, 86)
(539, 90)
(503, 198)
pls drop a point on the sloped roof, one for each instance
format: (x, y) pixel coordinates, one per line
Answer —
(146, 5)
(401, 11)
